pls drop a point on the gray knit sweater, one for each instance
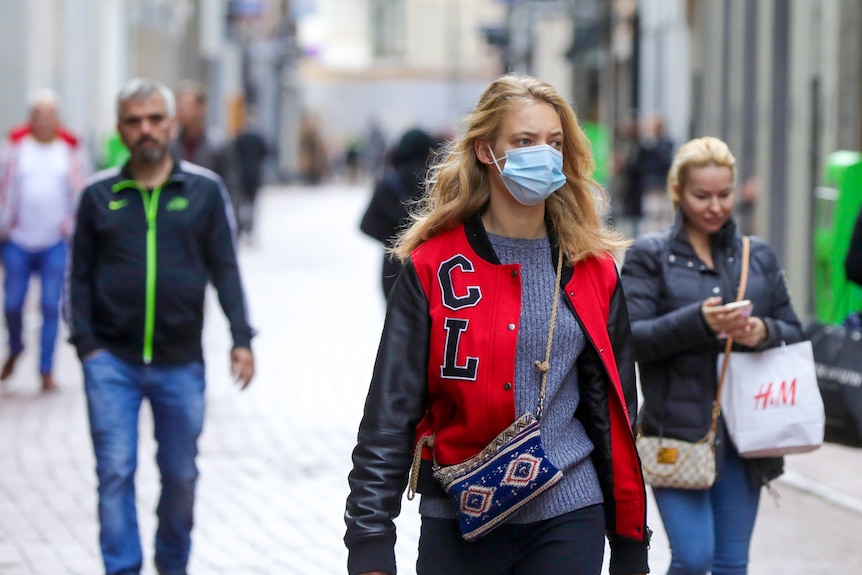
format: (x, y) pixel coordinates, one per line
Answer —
(564, 439)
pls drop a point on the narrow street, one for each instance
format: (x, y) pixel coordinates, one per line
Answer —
(274, 459)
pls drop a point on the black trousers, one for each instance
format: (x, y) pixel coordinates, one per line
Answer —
(571, 544)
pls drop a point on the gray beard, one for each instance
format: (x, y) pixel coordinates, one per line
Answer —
(151, 156)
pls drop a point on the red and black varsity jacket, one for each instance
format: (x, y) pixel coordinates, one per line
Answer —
(453, 315)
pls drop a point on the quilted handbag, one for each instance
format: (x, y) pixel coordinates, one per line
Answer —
(680, 464)
(676, 463)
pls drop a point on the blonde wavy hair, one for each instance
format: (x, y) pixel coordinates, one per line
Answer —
(458, 184)
(697, 153)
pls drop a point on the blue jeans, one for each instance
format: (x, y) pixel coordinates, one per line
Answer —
(115, 390)
(710, 530)
(19, 265)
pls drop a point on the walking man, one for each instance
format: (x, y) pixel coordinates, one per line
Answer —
(250, 151)
(42, 170)
(148, 237)
(195, 142)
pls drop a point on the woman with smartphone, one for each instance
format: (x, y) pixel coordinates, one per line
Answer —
(680, 285)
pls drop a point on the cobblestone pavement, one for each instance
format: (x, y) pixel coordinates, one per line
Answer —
(274, 459)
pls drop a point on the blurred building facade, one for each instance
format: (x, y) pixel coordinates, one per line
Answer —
(396, 64)
(86, 49)
(780, 80)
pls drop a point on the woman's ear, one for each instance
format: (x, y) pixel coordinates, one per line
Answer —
(483, 153)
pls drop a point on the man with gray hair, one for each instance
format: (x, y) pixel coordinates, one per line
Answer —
(43, 168)
(148, 238)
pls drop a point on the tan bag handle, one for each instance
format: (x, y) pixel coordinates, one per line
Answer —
(740, 295)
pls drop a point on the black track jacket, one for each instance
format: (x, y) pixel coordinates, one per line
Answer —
(140, 263)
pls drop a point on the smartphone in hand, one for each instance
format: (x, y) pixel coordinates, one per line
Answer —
(745, 305)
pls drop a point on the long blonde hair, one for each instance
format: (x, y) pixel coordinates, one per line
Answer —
(458, 184)
(697, 153)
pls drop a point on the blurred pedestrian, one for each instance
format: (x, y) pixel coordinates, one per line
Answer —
(352, 154)
(374, 151)
(114, 153)
(853, 269)
(195, 141)
(507, 250)
(645, 175)
(43, 168)
(147, 240)
(625, 148)
(676, 283)
(401, 186)
(748, 201)
(313, 162)
(853, 261)
(250, 150)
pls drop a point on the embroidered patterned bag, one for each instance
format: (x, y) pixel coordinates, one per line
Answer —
(508, 473)
(505, 476)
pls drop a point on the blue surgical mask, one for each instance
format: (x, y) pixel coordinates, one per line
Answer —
(533, 173)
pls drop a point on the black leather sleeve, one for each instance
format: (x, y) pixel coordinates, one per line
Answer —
(394, 406)
(619, 330)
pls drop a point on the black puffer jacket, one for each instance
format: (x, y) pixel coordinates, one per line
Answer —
(665, 284)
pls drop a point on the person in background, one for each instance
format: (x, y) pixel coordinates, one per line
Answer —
(135, 314)
(43, 168)
(853, 269)
(250, 150)
(313, 160)
(508, 227)
(114, 152)
(853, 261)
(374, 151)
(195, 142)
(401, 186)
(677, 282)
(645, 174)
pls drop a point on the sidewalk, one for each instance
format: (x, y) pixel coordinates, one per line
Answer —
(274, 459)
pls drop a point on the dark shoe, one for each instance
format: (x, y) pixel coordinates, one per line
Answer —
(8, 367)
(48, 383)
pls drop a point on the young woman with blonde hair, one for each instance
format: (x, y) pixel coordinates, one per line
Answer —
(509, 286)
(677, 282)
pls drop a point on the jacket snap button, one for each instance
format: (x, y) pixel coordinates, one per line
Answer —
(511, 327)
(507, 386)
(716, 289)
(671, 258)
(638, 529)
(690, 264)
(514, 273)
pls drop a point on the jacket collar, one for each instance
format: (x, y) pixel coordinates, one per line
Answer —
(721, 240)
(477, 237)
(176, 175)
